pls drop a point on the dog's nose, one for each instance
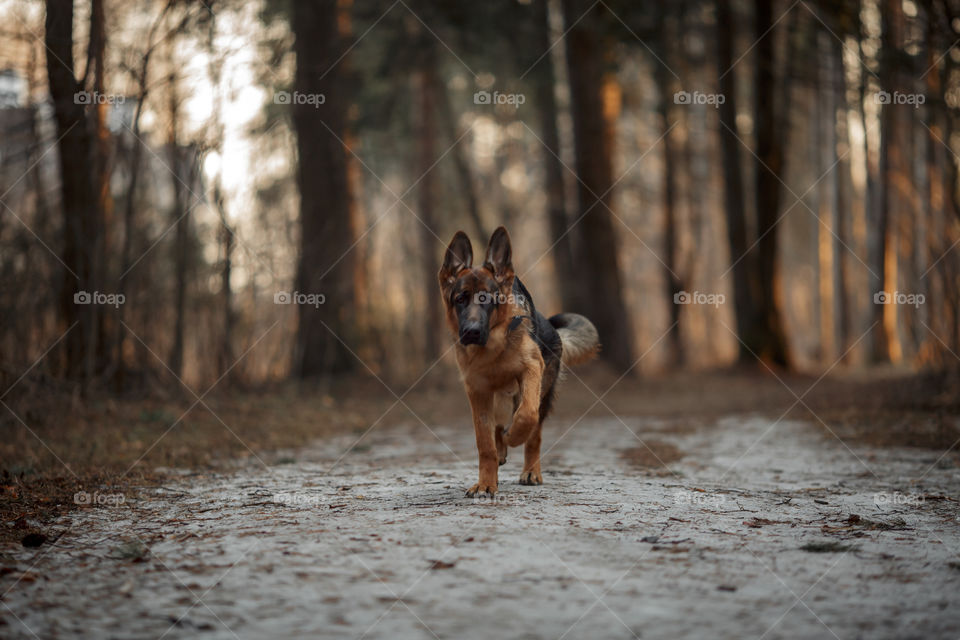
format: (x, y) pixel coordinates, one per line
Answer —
(472, 335)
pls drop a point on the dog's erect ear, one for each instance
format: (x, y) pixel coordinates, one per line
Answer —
(459, 256)
(499, 257)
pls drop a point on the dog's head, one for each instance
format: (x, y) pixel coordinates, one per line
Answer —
(477, 297)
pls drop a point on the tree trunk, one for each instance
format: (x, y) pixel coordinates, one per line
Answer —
(96, 50)
(950, 263)
(672, 280)
(841, 242)
(871, 206)
(225, 358)
(38, 183)
(179, 216)
(545, 81)
(746, 289)
(696, 167)
(820, 123)
(427, 89)
(770, 341)
(830, 213)
(81, 218)
(594, 99)
(883, 258)
(126, 244)
(734, 197)
(325, 261)
(936, 167)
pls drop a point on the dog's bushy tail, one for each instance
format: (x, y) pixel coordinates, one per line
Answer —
(579, 337)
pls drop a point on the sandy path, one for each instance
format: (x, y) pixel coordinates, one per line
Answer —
(384, 545)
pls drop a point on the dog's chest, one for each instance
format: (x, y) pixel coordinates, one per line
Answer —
(492, 373)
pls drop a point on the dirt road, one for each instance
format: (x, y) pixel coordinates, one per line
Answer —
(760, 530)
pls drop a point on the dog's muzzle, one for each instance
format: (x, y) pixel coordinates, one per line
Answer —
(473, 335)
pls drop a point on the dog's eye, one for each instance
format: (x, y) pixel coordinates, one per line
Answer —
(462, 298)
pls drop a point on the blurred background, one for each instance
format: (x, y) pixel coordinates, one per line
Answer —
(234, 195)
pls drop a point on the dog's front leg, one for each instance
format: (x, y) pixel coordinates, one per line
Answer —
(481, 404)
(527, 415)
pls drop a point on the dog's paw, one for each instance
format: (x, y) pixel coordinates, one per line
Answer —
(531, 478)
(484, 490)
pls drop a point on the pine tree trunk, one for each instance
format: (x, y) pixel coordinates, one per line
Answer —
(81, 217)
(841, 223)
(178, 217)
(593, 97)
(96, 51)
(426, 89)
(734, 196)
(326, 259)
(544, 79)
(771, 341)
(883, 254)
(936, 167)
(673, 283)
(225, 358)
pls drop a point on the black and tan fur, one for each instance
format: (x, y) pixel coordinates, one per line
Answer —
(508, 353)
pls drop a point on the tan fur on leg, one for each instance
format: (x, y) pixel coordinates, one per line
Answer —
(481, 404)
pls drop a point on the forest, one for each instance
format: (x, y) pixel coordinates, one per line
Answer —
(223, 154)
(221, 225)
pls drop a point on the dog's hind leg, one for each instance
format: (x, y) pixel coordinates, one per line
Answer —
(503, 407)
(501, 445)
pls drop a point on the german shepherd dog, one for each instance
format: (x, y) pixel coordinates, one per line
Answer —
(509, 354)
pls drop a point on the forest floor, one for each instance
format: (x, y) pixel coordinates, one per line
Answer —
(733, 504)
